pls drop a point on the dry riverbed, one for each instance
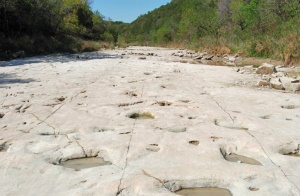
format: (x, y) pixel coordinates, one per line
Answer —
(138, 121)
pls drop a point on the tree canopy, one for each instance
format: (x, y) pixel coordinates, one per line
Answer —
(254, 27)
(49, 17)
(267, 28)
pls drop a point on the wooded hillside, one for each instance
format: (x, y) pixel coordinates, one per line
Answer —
(43, 26)
(264, 28)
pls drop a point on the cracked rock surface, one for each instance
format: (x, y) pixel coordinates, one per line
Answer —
(58, 108)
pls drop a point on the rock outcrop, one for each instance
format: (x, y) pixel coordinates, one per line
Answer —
(266, 68)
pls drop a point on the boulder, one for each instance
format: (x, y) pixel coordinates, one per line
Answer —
(266, 68)
(290, 84)
(288, 80)
(276, 84)
(263, 83)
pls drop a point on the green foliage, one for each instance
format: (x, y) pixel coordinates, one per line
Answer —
(31, 20)
(164, 35)
(265, 28)
(108, 36)
(46, 17)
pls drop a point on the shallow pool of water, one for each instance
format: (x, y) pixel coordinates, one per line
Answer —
(241, 159)
(209, 191)
(83, 163)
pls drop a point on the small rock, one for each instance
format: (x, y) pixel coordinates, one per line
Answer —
(295, 80)
(253, 189)
(282, 69)
(142, 58)
(263, 83)
(276, 84)
(229, 63)
(208, 57)
(201, 56)
(229, 58)
(266, 78)
(280, 74)
(266, 68)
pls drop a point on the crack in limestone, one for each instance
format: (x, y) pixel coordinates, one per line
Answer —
(82, 91)
(52, 113)
(273, 161)
(128, 147)
(62, 106)
(83, 151)
(223, 109)
(82, 148)
(259, 145)
(149, 175)
(41, 121)
(117, 166)
(293, 175)
(44, 121)
(126, 161)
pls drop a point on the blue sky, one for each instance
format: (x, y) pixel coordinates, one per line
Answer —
(126, 10)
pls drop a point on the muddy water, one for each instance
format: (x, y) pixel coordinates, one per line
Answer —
(241, 159)
(204, 192)
(84, 163)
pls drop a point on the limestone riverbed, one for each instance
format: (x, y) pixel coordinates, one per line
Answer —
(155, 125)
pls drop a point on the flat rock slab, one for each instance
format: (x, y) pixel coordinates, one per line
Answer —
(59, 108)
